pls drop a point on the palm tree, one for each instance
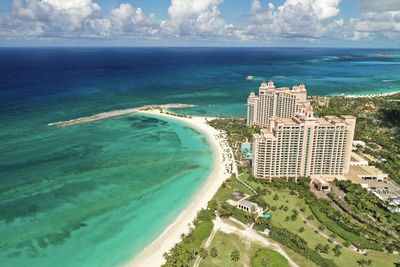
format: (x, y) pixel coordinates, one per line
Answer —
(203, 253)
(235, 255)
(318, 247)
(363, 262)
(336, 250)
(213, 252)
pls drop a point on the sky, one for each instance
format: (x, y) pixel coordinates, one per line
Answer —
(314, 23)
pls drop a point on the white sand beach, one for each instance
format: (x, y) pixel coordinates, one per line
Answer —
(114, 113)
(152, 255)
(371, 95)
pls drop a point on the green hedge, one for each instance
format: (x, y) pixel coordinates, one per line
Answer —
(333, 226)
(299, 245)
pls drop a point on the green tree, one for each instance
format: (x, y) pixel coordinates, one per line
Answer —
(213, 252)
(264, 261)
(337, 250)
(212, 205)
(235, 255)
(318, 247)
(325, 249)
(346, 244)
(364, 263)
(203, 253)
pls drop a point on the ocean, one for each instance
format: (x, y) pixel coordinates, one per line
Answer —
(95, 194)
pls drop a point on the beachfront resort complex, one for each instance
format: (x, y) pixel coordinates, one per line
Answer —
(293, 142)
(276, 102)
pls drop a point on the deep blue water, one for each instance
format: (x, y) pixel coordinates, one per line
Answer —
(89, 80)
(103, 190)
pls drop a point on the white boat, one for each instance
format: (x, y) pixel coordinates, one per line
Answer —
(249, 77)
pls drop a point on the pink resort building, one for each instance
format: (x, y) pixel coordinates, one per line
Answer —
(293, 142)
(276, 102)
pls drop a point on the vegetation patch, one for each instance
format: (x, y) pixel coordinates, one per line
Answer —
(267, 257)
(299, 245)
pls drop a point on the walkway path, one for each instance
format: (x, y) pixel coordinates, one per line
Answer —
(247, 233)
(245, 184)
(251, 234)
(207, 244)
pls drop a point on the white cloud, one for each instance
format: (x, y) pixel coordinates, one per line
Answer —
(380, 20)
(78, 18)
(196, 17)
(304, 19)
(197, 20)
(379, 6)
(66, 15)
(128, 19)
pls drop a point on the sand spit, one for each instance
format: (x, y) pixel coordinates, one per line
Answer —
(115, 113)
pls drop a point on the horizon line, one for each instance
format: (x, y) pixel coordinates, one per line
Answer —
(190, 46)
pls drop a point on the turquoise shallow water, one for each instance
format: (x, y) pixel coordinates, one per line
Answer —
(96, 194)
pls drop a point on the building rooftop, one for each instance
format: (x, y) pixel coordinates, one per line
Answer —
(370, 170)
(237, 195)
(356, 172)
(357, 158)
(246, 203)
(320, 179)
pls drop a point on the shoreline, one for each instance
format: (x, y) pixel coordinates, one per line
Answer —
(152, 254)
(115, 113)
(366, 95)
(167, 107)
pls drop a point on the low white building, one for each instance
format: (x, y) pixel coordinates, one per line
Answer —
(248, 205)
(372, 173)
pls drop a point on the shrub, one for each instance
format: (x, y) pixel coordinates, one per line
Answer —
(235, 255)
(203, 253)
(213, 252)
(299, 245)
(346, 244)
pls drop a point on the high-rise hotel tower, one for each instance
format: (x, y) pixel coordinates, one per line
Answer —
(293, 142)
(276, 102)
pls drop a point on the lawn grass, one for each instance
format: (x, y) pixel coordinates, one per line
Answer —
(351, 237)
(225, 244)
(297, 258)
(200, 233)
(348, 257)
(230, 185)
(267, 257)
